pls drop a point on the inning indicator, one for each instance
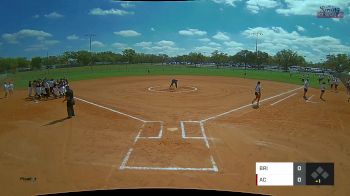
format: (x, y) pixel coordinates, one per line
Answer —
(292, 174)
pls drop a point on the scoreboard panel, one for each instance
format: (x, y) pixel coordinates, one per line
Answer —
(294, 174)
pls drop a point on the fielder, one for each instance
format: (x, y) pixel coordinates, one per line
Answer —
(6, 89)
(173, 82)
(336, 84)
(306, 87)
(257, 93)
(323, 89)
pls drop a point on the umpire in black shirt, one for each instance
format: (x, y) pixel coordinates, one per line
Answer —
(70, 102)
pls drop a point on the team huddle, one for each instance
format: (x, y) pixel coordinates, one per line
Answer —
(45, 88)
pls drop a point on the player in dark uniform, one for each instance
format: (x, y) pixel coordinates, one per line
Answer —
(173, 82)
(70, 102)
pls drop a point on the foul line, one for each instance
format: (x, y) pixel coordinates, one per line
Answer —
(236, 109)
(112, 110)
(283, 99)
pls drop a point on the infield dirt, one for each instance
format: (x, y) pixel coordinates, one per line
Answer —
(87, 151)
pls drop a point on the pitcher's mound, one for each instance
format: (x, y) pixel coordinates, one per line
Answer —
(180, 89)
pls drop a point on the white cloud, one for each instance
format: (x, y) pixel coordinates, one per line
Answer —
(275, 39)
(101, 12)
(204, 40)
(97, 44)
(221, 36)
(233, 44)
(10, 38)
(321, 27)
(307, 7)
(50, 42)
(214, 44)
(72, 37)
(127, 5)
(144, 44)
(42, 45)
(127, 33)
(165, 43)
(300, 28)
(255, 6)
(152, 29)
(161, 47)
(53, 15)
(24, 33)
(37, 47)
(191, 32)
(226, 2)
(119, 45)
(336, 19)
(207, 50)
(36, 16)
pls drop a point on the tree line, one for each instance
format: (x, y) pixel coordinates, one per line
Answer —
(283, 59)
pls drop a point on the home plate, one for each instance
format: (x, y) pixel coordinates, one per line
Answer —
(172, 129)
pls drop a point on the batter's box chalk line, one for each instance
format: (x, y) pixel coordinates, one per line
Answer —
(161, 125)
(124, 163)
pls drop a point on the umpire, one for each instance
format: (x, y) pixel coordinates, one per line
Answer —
(70, 102)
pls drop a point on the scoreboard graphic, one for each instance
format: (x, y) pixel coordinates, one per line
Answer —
(294, 174)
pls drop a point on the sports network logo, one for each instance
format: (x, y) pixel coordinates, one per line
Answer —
(330, 12)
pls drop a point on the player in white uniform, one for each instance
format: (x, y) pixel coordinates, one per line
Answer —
(306, 87)
(257, 93)
(10, 88)
(323, 89)
(6, 89)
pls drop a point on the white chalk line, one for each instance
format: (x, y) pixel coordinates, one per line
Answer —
(109, 109)
(239, 108)
(124, 166)
(283, 99)
(159, 91)
(309, 100)
(204, 135)
(126, 159)
(171, 168)
(152, 137)
(215, 167)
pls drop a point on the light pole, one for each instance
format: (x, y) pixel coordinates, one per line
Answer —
(90, 38)
(245, 64)
(256, 45)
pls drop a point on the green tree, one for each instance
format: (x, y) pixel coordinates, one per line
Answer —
(339, 62)
(287, 58)
(129, 55)
(83, 57)
(36, 63)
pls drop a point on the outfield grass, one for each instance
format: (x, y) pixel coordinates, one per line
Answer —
(100, 71)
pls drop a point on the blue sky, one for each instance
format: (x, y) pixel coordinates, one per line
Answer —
(33, 28)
